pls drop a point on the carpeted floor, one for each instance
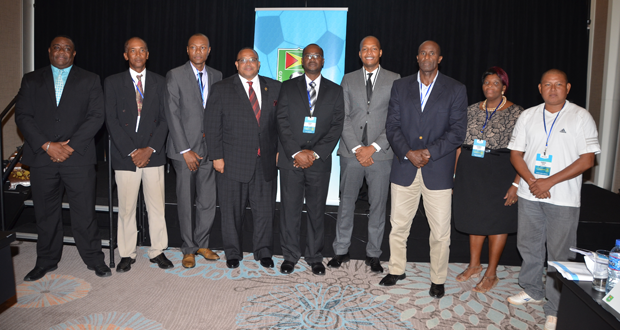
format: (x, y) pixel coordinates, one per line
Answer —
(210, 296)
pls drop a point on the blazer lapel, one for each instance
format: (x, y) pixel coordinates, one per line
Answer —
(265, 101)
(192, 80)
(414, 96)
(148, 100)
(435, 93)
(48, 77)
(303, 92)
(240, 90)
(129, 91)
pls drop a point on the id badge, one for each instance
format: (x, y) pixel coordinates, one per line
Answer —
(310, 125)
(478, 148)
(543, 165)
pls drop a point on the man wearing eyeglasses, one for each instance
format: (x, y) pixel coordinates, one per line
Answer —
(242, 139)
(310, 120)
(187, 90)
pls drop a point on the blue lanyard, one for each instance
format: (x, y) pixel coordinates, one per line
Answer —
(545, 125)
(134, 83)
(423, 100)
(487, 118)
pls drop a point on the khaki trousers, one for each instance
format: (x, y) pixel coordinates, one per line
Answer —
(437, 204)
(128, 185)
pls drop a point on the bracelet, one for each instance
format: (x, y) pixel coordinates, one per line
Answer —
(48, 146)
(515, 184)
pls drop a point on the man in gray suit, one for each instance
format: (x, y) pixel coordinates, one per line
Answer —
(364, 152)
(187, 88)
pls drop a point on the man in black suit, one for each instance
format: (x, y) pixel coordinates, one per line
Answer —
(134, 107)
(242, 139)
(187, 90)
(59, 110)
(310, 119)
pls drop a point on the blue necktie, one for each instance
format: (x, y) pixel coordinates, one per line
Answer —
(201, 87)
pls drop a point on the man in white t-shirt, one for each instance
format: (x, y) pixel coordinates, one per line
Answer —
(551, 146)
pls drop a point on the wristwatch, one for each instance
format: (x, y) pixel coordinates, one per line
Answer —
(316, 156)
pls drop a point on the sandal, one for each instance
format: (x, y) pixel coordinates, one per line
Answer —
(476, 272)
(478, 288)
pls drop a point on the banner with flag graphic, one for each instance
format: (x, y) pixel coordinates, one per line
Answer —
(280, 36)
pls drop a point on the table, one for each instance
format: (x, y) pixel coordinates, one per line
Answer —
(581, 307)
(7, 275)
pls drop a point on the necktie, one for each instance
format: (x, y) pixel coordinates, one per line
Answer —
(368, 97)
(312, 99)
(369, 88)
(201, 87)
(255, 105)
(139, 92)
(59, 87)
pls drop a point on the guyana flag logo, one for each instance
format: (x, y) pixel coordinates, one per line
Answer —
(289, 63)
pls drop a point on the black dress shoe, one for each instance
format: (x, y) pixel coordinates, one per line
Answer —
(101, 270)
(338, 260)
(232, 263)
(287, 267)
(375, 264)
(390, 279)
(162, 261)
(38, 272)
(437, 290)
(125, 265)
(318, 268)
(266, 262)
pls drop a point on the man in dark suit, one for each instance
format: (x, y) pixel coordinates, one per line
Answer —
(59, 110)
(310, 118)
(242, 139)
(136, 122)
(187, 90)
(427, 121)
(364, 152)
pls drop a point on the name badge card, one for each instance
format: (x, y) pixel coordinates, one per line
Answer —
(543, 165)
(478, 148)
(310, 125)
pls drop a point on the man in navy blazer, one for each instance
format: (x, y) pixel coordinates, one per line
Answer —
(426, 123)
(242, 139)
(59, 110)
(136, 122)
(310, 119)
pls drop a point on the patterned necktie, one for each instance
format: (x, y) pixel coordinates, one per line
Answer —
(255, 105)
(59, 86)
(201, 87)
(312, 100)
(139, 92)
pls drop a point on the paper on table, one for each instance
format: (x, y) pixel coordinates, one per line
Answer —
(575, 271)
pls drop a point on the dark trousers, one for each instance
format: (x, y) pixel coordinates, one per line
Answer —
(48, 184)
(233, 197)
(294, 186)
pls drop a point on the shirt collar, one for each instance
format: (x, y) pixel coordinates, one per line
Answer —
(437, 75)
(56, 70)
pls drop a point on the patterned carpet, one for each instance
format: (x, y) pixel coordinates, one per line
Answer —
(211, 296)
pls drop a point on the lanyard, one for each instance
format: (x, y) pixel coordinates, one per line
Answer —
(487, 118)
(134, 83)
(425, 98)
(550, 129)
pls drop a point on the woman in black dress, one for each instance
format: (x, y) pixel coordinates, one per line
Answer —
(485, 185)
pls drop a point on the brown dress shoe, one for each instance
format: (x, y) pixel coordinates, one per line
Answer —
(189, 261)
(208, 254)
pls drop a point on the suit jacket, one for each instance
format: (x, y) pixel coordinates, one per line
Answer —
(121, 112)
(358, 112)
(233, 133)
(292, 110)
(184, 110)
(441, 128)
(77, 117)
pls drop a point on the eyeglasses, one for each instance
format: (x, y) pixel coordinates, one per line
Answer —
(312, 56)
(247, 60)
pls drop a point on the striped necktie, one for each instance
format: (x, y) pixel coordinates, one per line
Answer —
(255, 106)
(312, 97)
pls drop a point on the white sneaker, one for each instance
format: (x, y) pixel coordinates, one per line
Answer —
(551, 322)
(522, 298)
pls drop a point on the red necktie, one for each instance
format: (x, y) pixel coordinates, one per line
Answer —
(255, 106)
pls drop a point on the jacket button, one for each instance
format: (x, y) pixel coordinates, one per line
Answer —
(420, 137)
(56, 135)
(155, 120)
(361, 127)
(123, 110)
(57, 119)
(151, 134)
(126, 124)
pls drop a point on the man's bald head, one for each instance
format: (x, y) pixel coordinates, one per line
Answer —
(432, 42)
(554, 71)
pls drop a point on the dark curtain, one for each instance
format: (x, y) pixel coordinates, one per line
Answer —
(525, 37)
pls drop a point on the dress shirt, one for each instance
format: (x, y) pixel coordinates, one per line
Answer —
(64, 74)
(426, 90)
(134, 78)
(256, 86)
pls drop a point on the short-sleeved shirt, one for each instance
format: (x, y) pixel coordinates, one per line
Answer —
(573, 134)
